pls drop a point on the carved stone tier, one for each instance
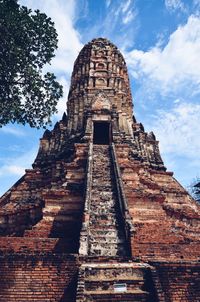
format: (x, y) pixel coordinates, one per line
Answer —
(99, 82)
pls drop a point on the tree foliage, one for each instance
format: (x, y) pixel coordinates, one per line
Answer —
(27, 42)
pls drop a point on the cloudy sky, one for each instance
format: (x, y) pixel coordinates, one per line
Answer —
(160, 40)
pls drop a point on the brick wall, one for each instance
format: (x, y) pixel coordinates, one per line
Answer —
(149, 251)
(32, 245)
(179, 282)
(43, 277)
(165, 218)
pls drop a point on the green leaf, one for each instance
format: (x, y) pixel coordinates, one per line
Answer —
(28, 41)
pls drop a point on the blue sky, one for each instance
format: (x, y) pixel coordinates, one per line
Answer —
(160, 40)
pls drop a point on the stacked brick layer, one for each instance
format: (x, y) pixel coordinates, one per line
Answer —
(165, 218)
(32, 277)
(60, 187)
(178, 281)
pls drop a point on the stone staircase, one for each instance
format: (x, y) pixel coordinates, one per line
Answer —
(106, 236)
(102, 282)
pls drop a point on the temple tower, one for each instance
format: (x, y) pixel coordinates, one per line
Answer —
(100, 90)
(98, 217)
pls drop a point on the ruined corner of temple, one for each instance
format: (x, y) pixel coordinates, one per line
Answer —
(98, 217)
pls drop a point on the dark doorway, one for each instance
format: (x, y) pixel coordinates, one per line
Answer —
(101, 133)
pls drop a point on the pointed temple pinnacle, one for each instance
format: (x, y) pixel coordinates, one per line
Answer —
(99, 82)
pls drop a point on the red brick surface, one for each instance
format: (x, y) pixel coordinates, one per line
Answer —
(180, 282)
(165, 218)
(40, 278)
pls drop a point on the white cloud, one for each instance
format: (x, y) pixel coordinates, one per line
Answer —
(61, 106)
(13, 130)
(128, 17)
(108, 2)
(126, 6)
(12, 169)
(173, 5)
(63, 14)
(174, 66)
(178, 130)
(16, 166)
(128, 11)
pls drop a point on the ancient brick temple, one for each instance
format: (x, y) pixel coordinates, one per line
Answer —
(98, 217)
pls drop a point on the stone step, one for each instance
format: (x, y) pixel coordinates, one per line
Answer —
(103, 212)
(128, 278)
(108, 253)
(104, 155)
(95, 238)
(105, 240)
(104, 222)
(104, 172)
(102, 195)
(116, 282)
(101, 177)
(106, 215)
(103, 217)
(101, 182)
(115, 270)
(138, 292)
(102, 208)
(100, 151)
(104, 228)
(102, 192)
(102, 187)
(105, 296)
(107, 246)
(103, 233)
(103, 158)
(105, 202)
(108, 224)
(106, 167)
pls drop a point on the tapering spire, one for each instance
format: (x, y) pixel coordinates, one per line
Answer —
(99, 81)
